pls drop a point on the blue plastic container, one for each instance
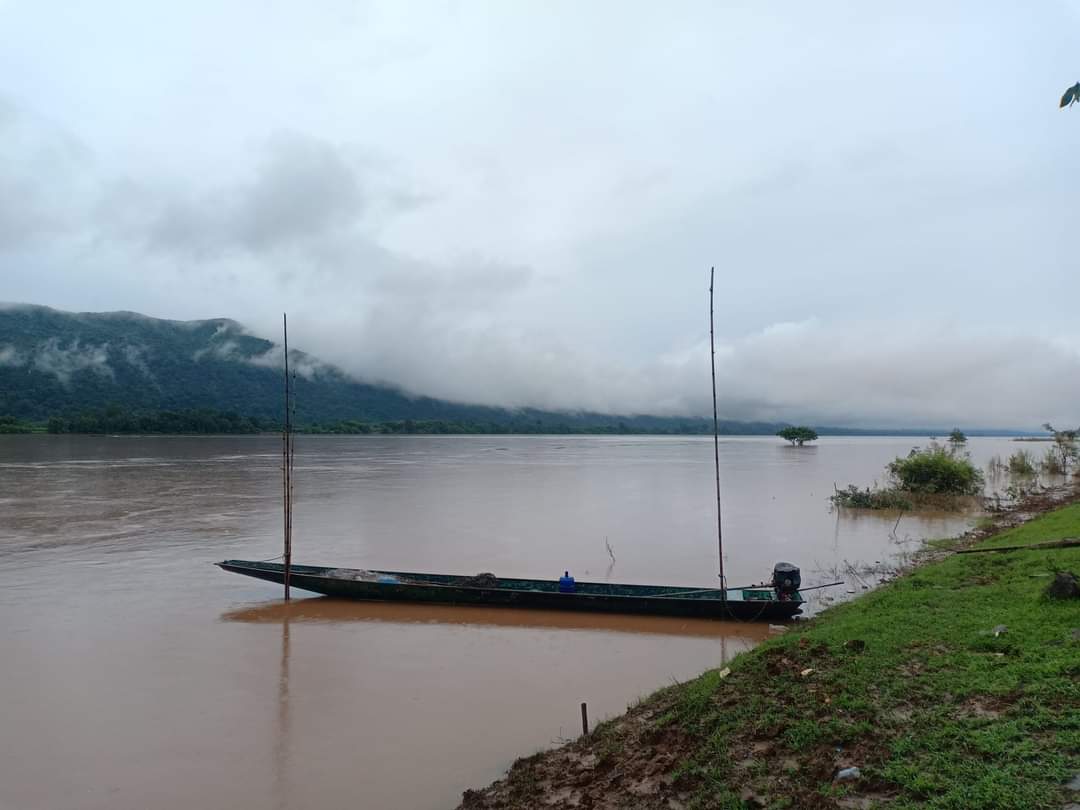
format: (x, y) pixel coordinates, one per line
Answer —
(566, 583)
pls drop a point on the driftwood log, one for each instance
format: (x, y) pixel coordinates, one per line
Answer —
(1068, 542)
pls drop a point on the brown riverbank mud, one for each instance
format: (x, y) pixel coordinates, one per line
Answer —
(652, 756)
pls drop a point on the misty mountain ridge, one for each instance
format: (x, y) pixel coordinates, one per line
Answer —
(63, 363)
(54, 362)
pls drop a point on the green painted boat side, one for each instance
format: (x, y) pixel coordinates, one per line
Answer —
(743, 604)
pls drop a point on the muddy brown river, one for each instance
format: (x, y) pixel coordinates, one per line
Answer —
(134, 674)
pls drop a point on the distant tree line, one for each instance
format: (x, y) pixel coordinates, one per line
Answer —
(483, 427)
(10, 424)
(118, 420)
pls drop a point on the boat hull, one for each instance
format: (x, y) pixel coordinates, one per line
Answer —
(741, 604)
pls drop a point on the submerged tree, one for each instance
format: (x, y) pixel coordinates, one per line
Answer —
(1022, 463)
(957, 439)
(798, 436)
(1065, 450)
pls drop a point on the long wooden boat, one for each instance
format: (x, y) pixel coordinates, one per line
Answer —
(747, 604)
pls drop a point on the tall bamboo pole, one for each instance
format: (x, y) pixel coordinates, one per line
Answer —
(288, 461)
(716, 440)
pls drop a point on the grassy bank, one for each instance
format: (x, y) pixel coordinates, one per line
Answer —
(956, 686)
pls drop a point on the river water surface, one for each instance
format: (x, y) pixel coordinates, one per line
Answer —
(134, 674)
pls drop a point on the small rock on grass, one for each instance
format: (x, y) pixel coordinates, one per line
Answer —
(847, 774)
(1064, 586)
(751, 799)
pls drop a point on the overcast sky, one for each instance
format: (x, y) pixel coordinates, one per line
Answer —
(518, 203)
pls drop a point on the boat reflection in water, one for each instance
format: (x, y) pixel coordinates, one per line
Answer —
(327, 609)
(283, 738)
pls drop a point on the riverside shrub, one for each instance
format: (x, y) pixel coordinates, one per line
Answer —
(1021, 463)
(855, 498)
(936, 471)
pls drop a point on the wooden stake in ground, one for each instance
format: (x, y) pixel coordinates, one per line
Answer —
(287, 452)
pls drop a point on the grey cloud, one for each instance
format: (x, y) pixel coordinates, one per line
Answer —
(52, 358)
(62, 361)
(10, 356)
(31, 153)
(890, 249)
(305, 189)
(301, 364)
(869, 375)
(903, 373)
(192, 228)
(136, 357)
(226, 350)
(302, 189)
(475, 282)
(8, 112)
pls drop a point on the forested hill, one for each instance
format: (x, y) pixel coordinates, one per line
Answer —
(61, 363)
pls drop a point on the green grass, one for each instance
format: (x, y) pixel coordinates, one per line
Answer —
(936, 710)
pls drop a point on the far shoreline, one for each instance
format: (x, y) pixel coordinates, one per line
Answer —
(39, 430)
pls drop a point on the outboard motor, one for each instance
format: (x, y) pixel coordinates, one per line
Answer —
(786, 578)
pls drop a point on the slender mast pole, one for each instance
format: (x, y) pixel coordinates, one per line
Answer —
(287, 466)
(716, 440)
